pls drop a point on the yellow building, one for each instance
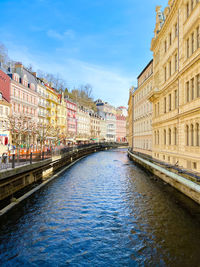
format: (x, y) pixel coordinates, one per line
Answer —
(52, 103)
(62, 116)
(142, 112)
(130, 118)
(176, 88)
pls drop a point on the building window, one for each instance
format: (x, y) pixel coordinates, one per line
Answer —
(176, 62)
(1, 110)
(158, 137)
(165, 73)
(165, 46)
(165, 105)
(170, 38)
(187, 10)
(192, 43)
(197, 134)
(192, 135)
(158, 108)
(187, 91)
(187, 135)
(170, 102)
(175, 99)
(198, 38)
(175, 136)
(176, 30)
(192, 89)
(170, 68)
(170, 136)
(198, 85)
(188, 47)
(192, 5)
(165, 137)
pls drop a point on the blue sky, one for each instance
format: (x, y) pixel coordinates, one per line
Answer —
(102, 42)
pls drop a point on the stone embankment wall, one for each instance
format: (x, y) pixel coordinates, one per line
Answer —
(187, 183)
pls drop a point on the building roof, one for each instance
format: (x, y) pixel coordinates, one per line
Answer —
(150, 62)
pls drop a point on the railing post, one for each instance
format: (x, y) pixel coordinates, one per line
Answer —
(13, 161)
(31, 157)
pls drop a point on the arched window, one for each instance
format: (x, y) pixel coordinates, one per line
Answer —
(187, 135)
(155, 137)
(197, 134)
(170, 136)
(192, 135)
(175, 136)
(158, 137)
(165, 137)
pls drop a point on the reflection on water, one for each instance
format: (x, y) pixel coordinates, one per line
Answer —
(104, 211)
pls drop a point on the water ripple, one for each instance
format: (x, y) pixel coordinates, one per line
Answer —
(104, 211)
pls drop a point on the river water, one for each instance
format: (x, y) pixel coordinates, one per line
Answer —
(103, 211)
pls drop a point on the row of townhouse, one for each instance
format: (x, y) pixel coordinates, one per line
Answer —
(115, 119)
(33, 113)
(165, 108)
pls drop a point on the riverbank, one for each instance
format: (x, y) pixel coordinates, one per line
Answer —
(188, 185)
(19, 183)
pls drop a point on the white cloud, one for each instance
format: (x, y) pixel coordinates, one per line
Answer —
(109, 84)
(61, 36)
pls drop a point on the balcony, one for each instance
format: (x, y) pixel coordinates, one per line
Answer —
(40, 114)
(42, 104)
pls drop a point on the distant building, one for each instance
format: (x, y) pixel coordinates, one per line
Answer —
(71, 118)
(130, 118)
(122, 111)
(142, 112)
(5, 109)
(83, 124)
(120, 128)
(24, 101)
(108, 113)
(42, 102)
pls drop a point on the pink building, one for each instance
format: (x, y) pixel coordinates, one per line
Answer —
(24, 102)
(23, 95)
(120, 128)
(71, 118)
(5, 85)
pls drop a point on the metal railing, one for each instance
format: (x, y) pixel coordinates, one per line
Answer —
(18, 158)
(15, 160)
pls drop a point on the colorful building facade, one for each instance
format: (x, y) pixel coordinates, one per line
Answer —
(83, 124)
(71, 118)
(120, 128)
(5, 109)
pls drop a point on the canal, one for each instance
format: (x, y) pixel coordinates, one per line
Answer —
(103, 211)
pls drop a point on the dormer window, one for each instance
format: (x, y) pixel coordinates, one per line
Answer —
(1, 96)
(16, 77)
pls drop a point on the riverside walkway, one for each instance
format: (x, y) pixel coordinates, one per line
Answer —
(103, 211)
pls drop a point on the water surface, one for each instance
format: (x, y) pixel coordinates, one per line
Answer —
(103, 211)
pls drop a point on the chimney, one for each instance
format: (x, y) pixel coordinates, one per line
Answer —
(35, 74)
(18, 65)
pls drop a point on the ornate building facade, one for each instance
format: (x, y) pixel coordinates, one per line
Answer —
(176, 88)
